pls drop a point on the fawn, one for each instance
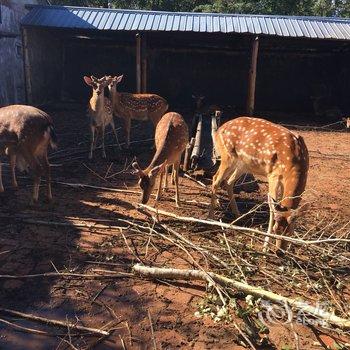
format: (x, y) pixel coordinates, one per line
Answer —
(100, 112)
(171, 138)
(259, 147)
(25, 134)
(135, 106)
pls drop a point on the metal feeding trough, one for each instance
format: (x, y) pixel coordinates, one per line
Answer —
(200, 152)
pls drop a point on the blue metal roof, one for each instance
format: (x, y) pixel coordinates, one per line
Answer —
(131, 20)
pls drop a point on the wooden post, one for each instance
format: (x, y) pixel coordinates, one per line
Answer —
(138, 63)
(26, 64)
(252, 77)
(144, 64)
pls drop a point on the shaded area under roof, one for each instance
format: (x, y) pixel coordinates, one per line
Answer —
(86, 18)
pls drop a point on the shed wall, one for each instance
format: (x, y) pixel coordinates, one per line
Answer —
(11, 56)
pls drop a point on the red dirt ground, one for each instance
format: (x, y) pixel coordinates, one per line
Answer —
(38, 248)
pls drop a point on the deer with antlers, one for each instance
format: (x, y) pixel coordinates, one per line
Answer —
(25, 135)
(259, 147)
(135, 106)
(171, 138)
(100, 111)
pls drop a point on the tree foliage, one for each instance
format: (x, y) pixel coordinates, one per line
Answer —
(327, 8)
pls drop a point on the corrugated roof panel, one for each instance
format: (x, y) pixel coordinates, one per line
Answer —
(176, 23)
(196, 23)
(345, 29)
(316, 29)
(169, 23)
(189, 23)
(162, 23)
(110, 19)
(136, 23)
(243, 24)
(153, 24)
(202, 24)
(216, 24)
(143, 21)
(116, 21)
(223, 24)
(283, 26)
(257, 23)
(182, 25)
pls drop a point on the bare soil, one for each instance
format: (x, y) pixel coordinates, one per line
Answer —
(136, 305)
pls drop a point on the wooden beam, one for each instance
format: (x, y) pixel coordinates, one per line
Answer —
(138, 63)
(144, 64)
(252, 77)
(27, 71)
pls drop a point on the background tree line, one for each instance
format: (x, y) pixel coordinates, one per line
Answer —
(327, 8)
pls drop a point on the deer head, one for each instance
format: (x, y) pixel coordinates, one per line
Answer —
(198, 100)
(147, 180)
(114, 81)
(97, 85)
(285, 220)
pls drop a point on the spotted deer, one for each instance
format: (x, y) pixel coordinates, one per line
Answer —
(259, 147)
(25, 134)
(135, 106)
(171, 138)
(100, 112)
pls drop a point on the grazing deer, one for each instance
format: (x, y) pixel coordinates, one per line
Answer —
(100, 112)
(25, 134)
(259, 147)
(171, 138)
(135, 106)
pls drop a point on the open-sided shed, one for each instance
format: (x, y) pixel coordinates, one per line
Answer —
(267, 63)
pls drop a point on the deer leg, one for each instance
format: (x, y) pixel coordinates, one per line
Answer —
(272, 195)
(220, 175)
(47, 171)
(1, 185)
(166, 178)
(159, 192)
(173, 175)
(230, 183)
(13, 169)
(103, 128)
(115, 133)
(93, 140)
(36, 187)
(176, 178)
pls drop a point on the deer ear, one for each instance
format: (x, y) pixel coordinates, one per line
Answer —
(155, 171)
(137, 170)
(88, 80)
(119, 79)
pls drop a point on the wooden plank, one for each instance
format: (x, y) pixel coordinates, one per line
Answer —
(252, 77)
(144, 64)
(27, 71)
(138, 63)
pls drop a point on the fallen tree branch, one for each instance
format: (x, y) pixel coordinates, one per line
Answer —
(52, 322)
(67, 274)
(109, 189)
(241, 228)
(170, 273)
